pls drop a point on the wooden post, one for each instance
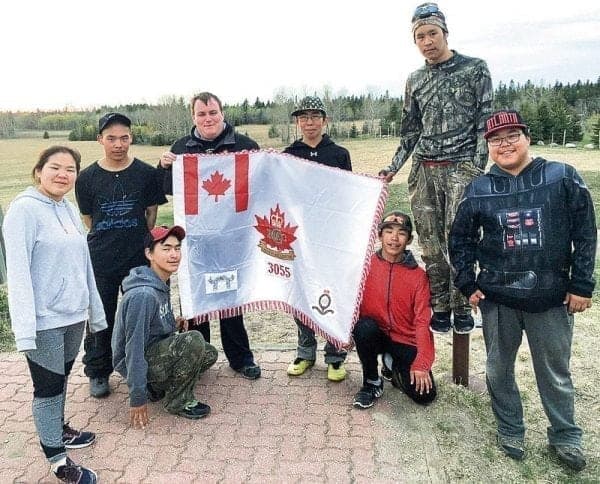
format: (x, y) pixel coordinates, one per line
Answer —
(460, 359)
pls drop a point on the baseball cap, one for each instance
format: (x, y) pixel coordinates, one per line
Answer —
(113, 118)
(505, 118)
(310, 103)
(396, 218)
(161, 232)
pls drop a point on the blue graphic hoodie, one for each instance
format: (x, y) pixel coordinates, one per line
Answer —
(50, 277)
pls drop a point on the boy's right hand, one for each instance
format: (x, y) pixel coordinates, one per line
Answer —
(167, 159)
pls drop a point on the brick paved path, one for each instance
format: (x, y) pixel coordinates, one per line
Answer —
(275, 429)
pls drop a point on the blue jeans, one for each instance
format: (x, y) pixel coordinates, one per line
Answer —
(307, 346)
(549, 335)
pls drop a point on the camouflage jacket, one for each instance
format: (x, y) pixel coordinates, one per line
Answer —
(444, 113)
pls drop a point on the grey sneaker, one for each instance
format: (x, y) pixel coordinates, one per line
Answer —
(570, 455)
(99, 387)
(511, 446)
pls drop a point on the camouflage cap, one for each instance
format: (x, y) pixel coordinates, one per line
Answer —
(396, 218)
(428, 14)
(310, 103)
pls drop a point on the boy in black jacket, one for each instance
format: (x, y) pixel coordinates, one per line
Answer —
(529, 225)
(212, 134)
(311, 118)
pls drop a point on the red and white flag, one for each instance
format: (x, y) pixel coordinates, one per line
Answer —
(267, 230)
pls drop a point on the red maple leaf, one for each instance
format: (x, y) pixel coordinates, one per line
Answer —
(275, 231)
(216, 185)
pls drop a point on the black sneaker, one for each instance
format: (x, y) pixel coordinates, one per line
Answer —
(99, 387)
(76, 439)
(513, 447)
(570, 455)
(251, 372)
(386, 363)
(463, 323)
(397, 381)
(194, 410)
(440, 322)
(75, 474)
(154, 394)
(386, 373)
(365, 398)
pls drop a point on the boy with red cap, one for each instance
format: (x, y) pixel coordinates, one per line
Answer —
(529, 225)
(156, 360)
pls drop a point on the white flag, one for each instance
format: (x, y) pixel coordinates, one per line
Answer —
(267, 230)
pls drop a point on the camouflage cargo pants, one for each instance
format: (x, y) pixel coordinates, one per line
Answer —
(175, 364)
(435, 192)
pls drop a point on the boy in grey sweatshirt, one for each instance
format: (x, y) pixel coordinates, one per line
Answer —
(157, 361)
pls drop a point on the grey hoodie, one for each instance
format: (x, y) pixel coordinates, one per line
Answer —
(50, 277)
(144, 317)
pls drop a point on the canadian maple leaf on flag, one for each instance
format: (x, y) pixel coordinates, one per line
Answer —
(216, 185)
(276, 233)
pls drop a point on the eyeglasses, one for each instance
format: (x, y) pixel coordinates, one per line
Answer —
(510, 139)
(425, 10)
(303, 118)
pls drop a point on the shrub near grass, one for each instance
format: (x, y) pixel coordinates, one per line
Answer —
(7, 340)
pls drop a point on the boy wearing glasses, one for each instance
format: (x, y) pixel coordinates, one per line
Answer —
(445, 106)
(529, 224)
(118, 197)
(316, 146)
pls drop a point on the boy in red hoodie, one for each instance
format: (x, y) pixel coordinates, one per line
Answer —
(394, 319)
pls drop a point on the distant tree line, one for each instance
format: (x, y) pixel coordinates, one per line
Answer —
(559, 113)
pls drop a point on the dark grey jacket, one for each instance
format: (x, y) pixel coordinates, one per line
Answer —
(533, 235)
(144, 317)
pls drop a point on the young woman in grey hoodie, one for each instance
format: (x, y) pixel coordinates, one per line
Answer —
(51, 294)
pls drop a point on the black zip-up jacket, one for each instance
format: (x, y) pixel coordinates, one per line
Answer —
(533, 235)
(326, 153)
(229, 141)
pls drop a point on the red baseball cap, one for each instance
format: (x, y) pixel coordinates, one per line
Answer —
(505, 118)
(161, 232)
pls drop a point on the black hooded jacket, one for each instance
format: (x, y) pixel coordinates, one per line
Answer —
(326, 153)
(533, 235)
(229, 141)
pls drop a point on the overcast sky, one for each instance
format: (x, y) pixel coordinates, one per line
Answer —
(79, 54)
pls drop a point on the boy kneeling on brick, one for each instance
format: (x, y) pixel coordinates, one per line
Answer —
(394, 319)
(157, 361)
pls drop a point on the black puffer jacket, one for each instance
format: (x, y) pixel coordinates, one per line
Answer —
(326, 153)
(229, 141)
(534, 236)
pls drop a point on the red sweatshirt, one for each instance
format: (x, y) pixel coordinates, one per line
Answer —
(397, 297)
